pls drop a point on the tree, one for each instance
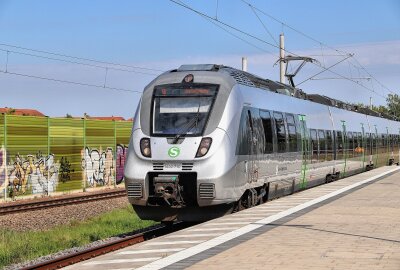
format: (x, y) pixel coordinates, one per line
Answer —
(68, 115)
(393, 104)
(380, 108)
(10, 111)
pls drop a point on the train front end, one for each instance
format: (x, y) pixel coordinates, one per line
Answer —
(178, 161)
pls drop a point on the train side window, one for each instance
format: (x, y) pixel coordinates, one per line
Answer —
(373, 144)
(339, 144)
(322, 145)
(280, 132)
(367, 149)
(392, 142)
(314, 145)
(243, 142)
(350, 144)
(356, 146)
(292, 132)
(268, 131)
(329, 144)
(383, 143)
(361, 141)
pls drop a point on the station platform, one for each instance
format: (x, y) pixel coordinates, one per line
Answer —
(352, 223)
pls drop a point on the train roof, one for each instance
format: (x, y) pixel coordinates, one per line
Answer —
(246, 78)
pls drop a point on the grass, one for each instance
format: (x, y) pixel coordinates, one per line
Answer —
(16, 247)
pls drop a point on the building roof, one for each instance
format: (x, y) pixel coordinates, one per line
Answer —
(116, 118)
(26, 112)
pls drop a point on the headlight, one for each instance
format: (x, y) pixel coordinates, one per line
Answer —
(145, 147)
(204, 147)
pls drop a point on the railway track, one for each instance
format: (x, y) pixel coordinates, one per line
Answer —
(124, 241)
(42, 204)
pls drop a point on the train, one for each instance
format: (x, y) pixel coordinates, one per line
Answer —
(209, 140)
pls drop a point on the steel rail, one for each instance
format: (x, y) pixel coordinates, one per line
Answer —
(128, 240)
(42, 204)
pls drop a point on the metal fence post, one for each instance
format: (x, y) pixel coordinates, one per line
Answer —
(115, 153)
(48, 155)
(84, 153)
(5, 158)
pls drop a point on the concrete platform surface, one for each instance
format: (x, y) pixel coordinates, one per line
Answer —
(353, 223)
(357, 231)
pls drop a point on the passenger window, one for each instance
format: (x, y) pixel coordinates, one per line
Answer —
(356, 144)
(339, 144)
(361, 140)
(243, 143)
(373, 143)
(384, 142)
(292, 132)
(280, 132)
(314, 145)
(350, 144)
(391, 142)
(322, 145)
(367, 149)
(329, 144)
(268, 131)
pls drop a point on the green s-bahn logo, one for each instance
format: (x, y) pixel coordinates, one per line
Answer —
(174, 152)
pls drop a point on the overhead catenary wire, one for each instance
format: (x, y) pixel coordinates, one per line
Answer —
(238, 37)
(69, 82)
(215, 22)
(180, 3)
(75, 62)
(381, 84)
(341, 52)
(78, 58)
(264, 26)
(331, 66)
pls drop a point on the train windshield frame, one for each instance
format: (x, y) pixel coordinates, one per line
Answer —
(182, 109)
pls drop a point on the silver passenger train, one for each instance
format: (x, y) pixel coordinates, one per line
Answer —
(209, 139)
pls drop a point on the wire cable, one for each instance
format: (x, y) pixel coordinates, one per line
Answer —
(79, 58)
(180, 3)
(77, 63)
(265, 27)
(341, 52)
(69, 82)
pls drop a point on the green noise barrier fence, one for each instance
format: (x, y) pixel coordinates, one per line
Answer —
(42, 155)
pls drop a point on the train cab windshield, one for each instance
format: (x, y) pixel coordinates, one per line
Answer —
(180, 109)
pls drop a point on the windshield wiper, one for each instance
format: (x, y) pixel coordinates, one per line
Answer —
(189, 125)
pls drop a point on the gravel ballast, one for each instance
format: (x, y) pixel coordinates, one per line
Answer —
(44, 219)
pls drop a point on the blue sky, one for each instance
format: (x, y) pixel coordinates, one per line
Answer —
(162, 35)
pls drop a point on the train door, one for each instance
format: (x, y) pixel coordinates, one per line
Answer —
(398, 147)
(268, 163)
(305, 150)
(363, 152)
(254, 146)
(344, 148)
(387, 140)
(376, 147)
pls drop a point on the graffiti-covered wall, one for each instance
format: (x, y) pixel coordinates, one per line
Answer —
(40, 155)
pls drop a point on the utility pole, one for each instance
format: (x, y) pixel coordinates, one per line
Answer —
(282, 58)
(244, 64)
(370, 103)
